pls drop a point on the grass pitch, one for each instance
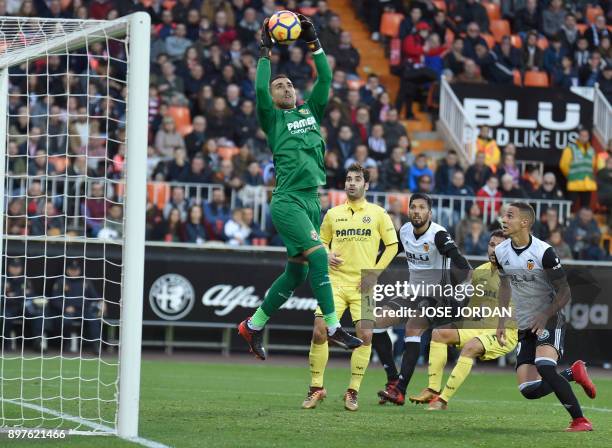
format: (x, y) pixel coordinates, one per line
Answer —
(197, 404)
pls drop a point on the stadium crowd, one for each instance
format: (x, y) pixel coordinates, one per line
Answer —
(203, 130)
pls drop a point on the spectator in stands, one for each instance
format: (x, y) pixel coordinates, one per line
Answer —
(50, 224)
(566, 75)
(392, 128)
(397, 215)
(508, 166)
(417, 170)
(470, 74)
(16, 221)
(196, 138)
(178, 167)
(490, 197)
(297, 69)
(527, 18)
(194, 80)
(553, 54)
(236, 230)
(193, 229)
(553, 18)
(167, 138)
(372, 89)
(219, 118)
(578, 164)
(361, 156)
(470, 12)
(442, 25)
(216, 213)
(169, 229)
(493, 68)
(333, 170)
(248, 26)
(177, 43)
(549, 189)
(604, 188)
(454, 59)
(457, 187)
(377, 144)
(464, 227)
(478, 173)
(569, 33)
(472, 39)
(198, 172)
(347, 56)
(170, 86)
(75, 308)
(531, 180)
(590, 73)
(178, 201)
(596, 32)
(393, 171)
(333, 122)
(242, 160)
(34, 141)
(533, 57)
(583, 236)
(509, 189)
(94, 209)
(346, 142)
(424, 184)
(362, 124)
(408, 24)
(581, 53)
(322, 16)
(330, 35)
(562, 249)
(476, 240)
(549, 222)
(446, 170)
(488, 146)
(508, 57)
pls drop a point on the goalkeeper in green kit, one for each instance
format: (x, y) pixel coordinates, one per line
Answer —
(298, 148)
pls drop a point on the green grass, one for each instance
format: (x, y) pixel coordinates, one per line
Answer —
(186, 404)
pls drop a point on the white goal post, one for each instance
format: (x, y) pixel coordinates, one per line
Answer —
(65, 136)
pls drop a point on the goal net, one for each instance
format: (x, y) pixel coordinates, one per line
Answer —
(73, 125)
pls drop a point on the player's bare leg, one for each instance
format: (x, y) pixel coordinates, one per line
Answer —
(539, 380)
(319, 353)
(471, 350)
(441, 338)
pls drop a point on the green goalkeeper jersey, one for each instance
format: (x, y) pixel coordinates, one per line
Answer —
(294, 135)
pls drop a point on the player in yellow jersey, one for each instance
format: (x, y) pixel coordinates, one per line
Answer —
(475, 338)
(351, 233)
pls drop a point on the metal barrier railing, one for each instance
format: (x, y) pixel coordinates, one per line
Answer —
(459, 127)
(602, 116)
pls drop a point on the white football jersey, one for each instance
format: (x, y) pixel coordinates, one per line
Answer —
(529, 270)
(426, 264)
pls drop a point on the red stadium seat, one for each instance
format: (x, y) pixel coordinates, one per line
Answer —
(592, 12)
(516, 41)
(336, 197)
(227, 152)
(390, 24)
(492, 11)
(355, 84)
(440, 4)
(499, 29)
(542, 43)
(518, 81)
(158, 194)
(490, 40)
(181, 115)
(168, 4)
(403, 199)
(536, 79)
(582, 27)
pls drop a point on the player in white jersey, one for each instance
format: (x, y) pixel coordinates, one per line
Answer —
(432, 256)
(532, 274)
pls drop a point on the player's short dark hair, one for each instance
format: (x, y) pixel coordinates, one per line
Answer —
(423, 196)
(358, 168)
(497, 234)
(280, 75)
(525, 208)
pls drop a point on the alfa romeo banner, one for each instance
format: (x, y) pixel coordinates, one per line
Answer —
(539, 122)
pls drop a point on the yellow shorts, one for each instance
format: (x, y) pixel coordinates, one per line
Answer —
(489, 341)
(350, 297)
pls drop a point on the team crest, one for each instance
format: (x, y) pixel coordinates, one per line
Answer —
(366, 220)
(530, 264)
(304, 111)
(313, 235)
(426, 247)
(544, 335)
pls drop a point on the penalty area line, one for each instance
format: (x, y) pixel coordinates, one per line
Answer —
(103, 430)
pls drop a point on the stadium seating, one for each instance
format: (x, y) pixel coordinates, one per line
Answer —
(489, 39)
(536, 79)
(592, 12)
(390, 24)
(518, 79)
(227, 152)
(158, 194)
(182, 119)
(493, 11)
(308, 11)
(516, 41)
(499, 29)
(440, 4)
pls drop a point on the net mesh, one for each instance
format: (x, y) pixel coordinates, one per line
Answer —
(63, 222)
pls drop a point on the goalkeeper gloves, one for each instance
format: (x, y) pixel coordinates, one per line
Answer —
(266, 42)
(309, 34)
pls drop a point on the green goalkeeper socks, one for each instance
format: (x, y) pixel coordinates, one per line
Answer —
(321, 286)
(295, 274)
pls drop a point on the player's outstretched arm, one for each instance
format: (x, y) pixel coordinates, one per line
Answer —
(460, 266)
(265, 106)
(320, 91)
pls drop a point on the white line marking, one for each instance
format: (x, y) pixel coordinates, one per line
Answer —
(103, 430)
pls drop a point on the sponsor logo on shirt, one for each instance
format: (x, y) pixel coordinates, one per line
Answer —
(530, 264)
(304, 111)
(353, 232)
(302, 126)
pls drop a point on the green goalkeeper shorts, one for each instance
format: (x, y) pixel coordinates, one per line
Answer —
(296, 216)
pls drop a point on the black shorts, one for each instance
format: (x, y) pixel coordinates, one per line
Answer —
(449, 306)
(553, 335)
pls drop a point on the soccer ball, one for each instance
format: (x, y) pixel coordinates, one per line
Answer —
(284, 27)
